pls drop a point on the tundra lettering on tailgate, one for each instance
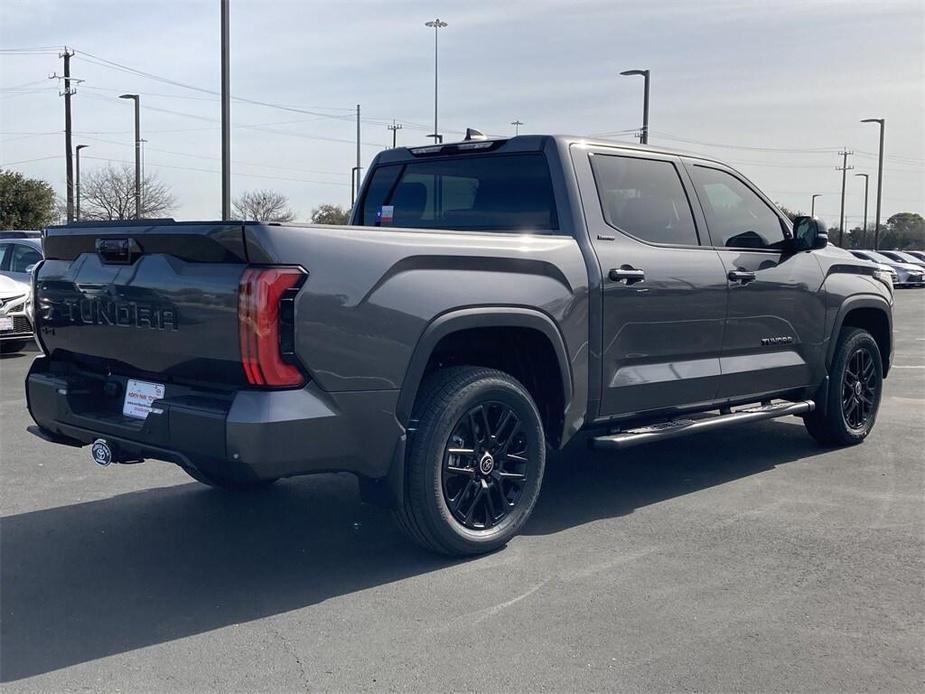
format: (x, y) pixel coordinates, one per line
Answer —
(100, 311)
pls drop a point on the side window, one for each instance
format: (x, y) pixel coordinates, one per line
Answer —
(644, 198)
(4, 256)
(738, 218)
(22, 257)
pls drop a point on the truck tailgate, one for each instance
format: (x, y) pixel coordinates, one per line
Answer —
(144, 299)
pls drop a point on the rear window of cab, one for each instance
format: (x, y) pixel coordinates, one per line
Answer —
(469, 193)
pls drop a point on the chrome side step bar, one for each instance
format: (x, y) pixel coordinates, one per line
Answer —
(696, 424)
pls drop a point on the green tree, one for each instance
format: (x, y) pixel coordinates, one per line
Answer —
(25, 203)
(903, 230)
(330, 214)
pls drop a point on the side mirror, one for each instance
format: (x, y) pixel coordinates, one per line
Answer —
(809, 234)
(31, 268)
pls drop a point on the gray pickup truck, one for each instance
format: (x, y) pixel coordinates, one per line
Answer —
(491, 299)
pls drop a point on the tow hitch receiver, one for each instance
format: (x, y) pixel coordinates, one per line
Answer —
(101, 452)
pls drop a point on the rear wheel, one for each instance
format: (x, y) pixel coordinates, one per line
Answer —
(475, 464)
(12, 346)
(855, 386)
(227, 484)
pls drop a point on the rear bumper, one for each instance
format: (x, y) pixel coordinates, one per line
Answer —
(244, 435)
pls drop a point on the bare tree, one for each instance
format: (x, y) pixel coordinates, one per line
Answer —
(263, 206)
(109, 193)
(330, 214)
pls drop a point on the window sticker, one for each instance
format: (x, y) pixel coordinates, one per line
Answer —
(386, 214)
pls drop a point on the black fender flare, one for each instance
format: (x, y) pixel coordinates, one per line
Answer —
(389, 490)
(850, 304)
(479, 317)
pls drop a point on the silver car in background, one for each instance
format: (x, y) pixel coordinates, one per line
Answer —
(20, 252)
(16, 324)
(908, 275)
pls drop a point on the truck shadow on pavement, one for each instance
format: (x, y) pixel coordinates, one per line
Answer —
(94, 579)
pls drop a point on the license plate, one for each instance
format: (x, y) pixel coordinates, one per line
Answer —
(6, 323)
(138, 398)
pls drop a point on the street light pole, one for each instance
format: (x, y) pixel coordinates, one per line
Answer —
(136, 99)
(812, 205)
(882, 122)
(77, 178)
(436, 25)
(517, 124)
(226, 113)
(644, 133)
(866, 181)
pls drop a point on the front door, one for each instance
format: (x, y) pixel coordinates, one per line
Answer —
(664, 288)
(776, 311)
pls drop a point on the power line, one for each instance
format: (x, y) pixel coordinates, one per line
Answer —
(206, 157)
(216, 171)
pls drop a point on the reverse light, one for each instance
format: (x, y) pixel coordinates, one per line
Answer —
(265, 325)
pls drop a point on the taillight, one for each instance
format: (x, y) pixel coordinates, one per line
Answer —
(265, 325)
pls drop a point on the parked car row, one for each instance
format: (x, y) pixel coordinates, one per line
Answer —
(20, 252)
(907, 268)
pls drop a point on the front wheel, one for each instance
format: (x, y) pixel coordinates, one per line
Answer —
(855, 387)
(475, 464)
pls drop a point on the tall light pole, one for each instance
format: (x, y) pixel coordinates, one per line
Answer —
(882, 122)
(436, 25)
(517, 124)
(226, 114)
(812, 205)
(644, 133)
(135, 98)
(866, 181)
(77, 178)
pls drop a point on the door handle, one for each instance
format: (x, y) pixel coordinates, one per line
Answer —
(627, 274)
(741, 276)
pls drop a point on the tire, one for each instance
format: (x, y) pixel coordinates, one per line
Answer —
(475, 500)
(851, 409)
(12, 346)
(227, 485)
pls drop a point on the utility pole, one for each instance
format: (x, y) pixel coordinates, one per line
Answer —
(866, 180)
(436, 25)
(226, 115)
(844, 172)
(395, 127)
(357, 169)
(68, 152)
(516, 124)
(882, 122)
(812, 205)
(137, 100)
(77, 185)
(644, 133)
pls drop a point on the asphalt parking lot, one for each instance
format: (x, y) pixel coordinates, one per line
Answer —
(748, 560)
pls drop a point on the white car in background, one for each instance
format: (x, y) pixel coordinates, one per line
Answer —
(16, 329)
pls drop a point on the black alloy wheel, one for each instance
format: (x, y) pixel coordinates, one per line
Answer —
(485, 465)
(859, 389)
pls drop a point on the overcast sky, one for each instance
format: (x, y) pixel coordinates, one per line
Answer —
(774, 88)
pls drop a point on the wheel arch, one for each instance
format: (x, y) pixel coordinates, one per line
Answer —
(874, 315)
(482, 320)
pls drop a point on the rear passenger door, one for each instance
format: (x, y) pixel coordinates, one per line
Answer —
(776, 317)
(664, 287)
